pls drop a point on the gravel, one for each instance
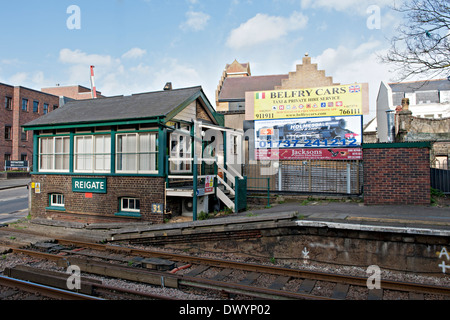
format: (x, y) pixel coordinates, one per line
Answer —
(321, 287)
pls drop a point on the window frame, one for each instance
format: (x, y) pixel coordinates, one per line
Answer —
(35, 106)
(131, 210)
(92, 156)
(24, 104)
(8, 103)
(60, 200)
(8, 132)
(55, 155)
(135, 152)
(180, 144)
(23, 134)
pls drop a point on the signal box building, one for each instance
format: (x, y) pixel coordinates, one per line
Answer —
(138, 157)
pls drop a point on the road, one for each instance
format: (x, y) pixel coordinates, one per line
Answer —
(13, 204)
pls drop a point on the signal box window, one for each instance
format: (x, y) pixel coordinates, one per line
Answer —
(130, 205)
(57, 200)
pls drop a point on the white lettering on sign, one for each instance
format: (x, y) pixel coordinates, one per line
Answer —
(89, 185)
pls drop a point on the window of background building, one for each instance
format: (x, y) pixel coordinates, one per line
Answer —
(45, 110)
(24, 104)
(35, 106)
(8, 133)
(8, 103)
(24, 135)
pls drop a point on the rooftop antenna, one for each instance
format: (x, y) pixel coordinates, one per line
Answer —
(93, 89)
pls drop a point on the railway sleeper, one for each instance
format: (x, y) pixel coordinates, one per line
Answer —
(49, 278)
(122, 272)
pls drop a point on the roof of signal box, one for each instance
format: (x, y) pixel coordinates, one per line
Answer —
(120, 108)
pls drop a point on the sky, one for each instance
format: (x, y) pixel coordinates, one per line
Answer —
(139, 45)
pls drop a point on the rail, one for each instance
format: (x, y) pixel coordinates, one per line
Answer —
(44, 290)
(171, 280)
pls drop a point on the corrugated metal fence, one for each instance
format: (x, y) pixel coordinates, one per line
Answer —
(308, 176)
(440, 175)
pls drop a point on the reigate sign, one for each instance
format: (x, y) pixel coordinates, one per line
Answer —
(90, 185)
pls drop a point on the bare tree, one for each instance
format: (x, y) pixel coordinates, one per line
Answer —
(422, 45)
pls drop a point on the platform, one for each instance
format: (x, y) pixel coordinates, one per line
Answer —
(352, 214)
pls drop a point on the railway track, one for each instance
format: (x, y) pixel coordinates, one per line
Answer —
(34, 291)
(231, 279)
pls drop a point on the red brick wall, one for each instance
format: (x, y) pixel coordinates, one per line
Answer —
(6, 119)
(397, 175)
(74, 92)
(101, 207)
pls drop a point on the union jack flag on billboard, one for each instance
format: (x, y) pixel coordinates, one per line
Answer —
(354, 89)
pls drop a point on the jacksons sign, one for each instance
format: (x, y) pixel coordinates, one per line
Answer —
(89, 185)
(342, 100)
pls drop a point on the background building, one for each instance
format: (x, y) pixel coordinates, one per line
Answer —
(427, 99)
(237, 80)
(72, 92)
(20, 105)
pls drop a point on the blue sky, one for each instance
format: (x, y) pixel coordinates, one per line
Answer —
(139, 45)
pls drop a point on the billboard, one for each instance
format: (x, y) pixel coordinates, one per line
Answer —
(309, 154)
(322, 138)
(320, 132)
(341, 100)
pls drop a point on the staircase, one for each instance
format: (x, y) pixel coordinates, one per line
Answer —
(234, 191)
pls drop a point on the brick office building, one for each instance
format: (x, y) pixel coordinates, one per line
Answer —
(20, 105)
(72, 92)
(129, 157)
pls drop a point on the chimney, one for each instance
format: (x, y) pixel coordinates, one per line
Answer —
(405, 104)
(168, 86)
(93, 88)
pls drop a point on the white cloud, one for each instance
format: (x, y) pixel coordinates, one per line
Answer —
(18, 79)
(114, 78)
(79, 57)
(134, 53)
(264, 28)
(196, 21)
(34, 80)
(360, 64)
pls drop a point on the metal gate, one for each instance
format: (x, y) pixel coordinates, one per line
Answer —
(440, 176)
(309, 176)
